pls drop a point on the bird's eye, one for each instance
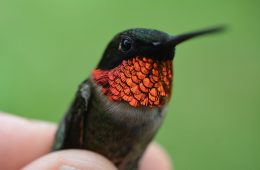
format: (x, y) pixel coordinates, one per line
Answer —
(125, 44)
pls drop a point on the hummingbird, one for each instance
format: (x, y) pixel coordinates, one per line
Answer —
(119, 108)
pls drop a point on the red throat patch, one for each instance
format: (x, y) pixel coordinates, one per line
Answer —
(139, 81)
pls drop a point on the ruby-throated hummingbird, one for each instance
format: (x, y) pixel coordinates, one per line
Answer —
(119, 108)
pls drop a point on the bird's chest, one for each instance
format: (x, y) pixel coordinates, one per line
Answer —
(119, 137)
(116, 138)
(117, 130)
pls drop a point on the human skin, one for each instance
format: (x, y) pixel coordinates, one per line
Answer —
(25, 144)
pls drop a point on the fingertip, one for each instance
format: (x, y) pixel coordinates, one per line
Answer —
(20, 136)
(155, 158)
(71, 160)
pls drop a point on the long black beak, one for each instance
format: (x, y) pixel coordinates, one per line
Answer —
(175, 40)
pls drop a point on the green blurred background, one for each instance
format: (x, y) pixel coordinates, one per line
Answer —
(48, 47)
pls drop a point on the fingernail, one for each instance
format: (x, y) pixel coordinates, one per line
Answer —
(72, 160)
(78, 160)
(66, 167)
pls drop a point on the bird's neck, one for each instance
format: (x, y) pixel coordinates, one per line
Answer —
(139, 81)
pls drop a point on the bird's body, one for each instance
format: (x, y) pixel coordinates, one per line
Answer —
(114, 125)
(119, 108)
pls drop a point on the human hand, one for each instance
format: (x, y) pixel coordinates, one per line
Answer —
(25, 144)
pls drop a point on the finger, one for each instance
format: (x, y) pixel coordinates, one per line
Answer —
(22, 141)
(155, 158)
(71, 160)
(32, 139)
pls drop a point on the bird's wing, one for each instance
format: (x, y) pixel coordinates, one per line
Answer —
(70, 133)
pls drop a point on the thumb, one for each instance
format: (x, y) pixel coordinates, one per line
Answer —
(71, 160)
